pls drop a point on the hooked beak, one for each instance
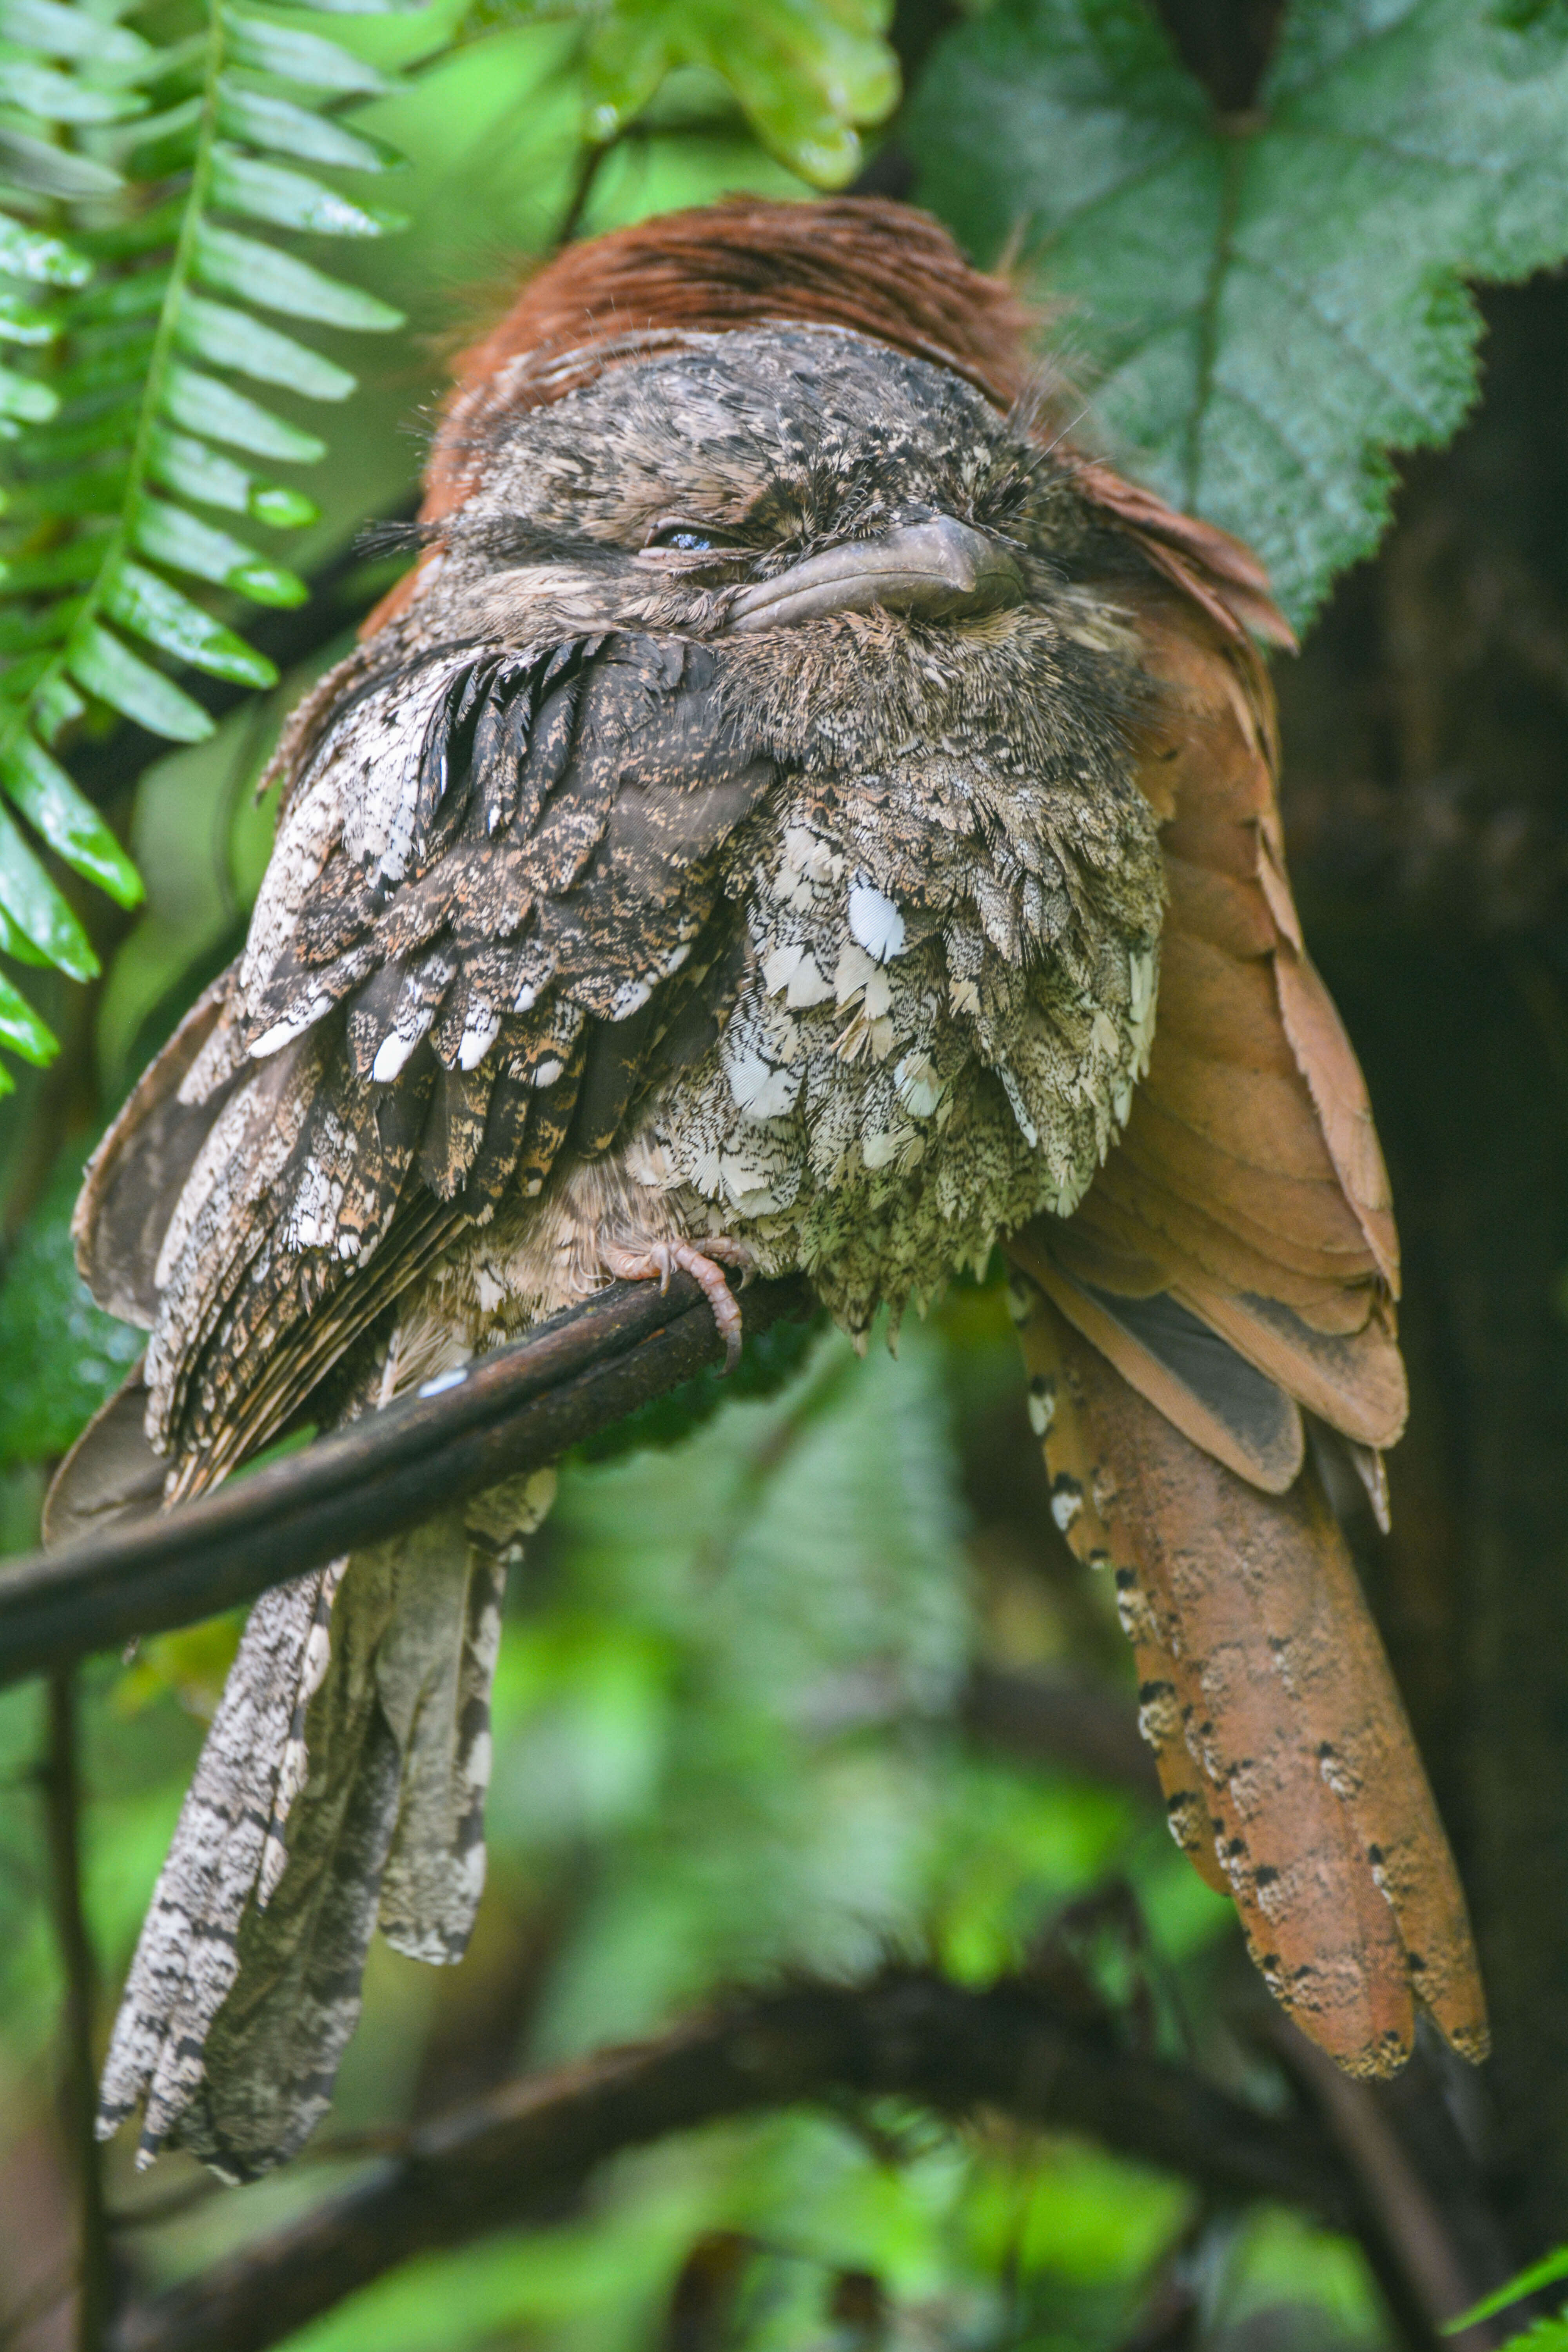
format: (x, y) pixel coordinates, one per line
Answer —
(938, 570)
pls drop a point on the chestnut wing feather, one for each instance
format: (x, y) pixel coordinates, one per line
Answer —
(1247, 1194)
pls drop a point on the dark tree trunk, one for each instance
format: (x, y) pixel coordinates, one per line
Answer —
(1427, 797)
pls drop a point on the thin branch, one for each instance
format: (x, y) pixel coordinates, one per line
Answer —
(511, 1411)
(590, 157)
(61, 1780)
(515, 2155)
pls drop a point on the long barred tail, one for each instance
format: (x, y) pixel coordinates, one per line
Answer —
(1292, 1778)
(343, 1780)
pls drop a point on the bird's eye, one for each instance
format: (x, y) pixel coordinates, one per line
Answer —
(688, 537)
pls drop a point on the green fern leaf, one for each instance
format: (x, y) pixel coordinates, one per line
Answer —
(146, 605)
(36, 909)
(297, 57)
(59, 815)
(121, 384)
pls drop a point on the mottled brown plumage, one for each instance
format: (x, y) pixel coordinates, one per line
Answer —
(758, 830)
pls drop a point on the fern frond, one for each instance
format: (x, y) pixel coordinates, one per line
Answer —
(157, 163)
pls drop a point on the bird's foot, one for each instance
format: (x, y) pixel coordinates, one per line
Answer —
(657, 1260)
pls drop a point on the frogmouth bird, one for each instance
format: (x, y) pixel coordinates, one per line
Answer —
(799, 814)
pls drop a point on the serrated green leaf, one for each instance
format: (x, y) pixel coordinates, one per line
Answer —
(120, 677)
(21, 1029)
(289, 130)
(205, 404)
(21, 322)
(43, 260)
(23, 396)
(36, 909)
(1268, 308)
(28, 163)
(171, 536)
(61, 97)
(308, 58)
(228, 338)
(59, 815)
(806, 72)
(267, 192)
(188, 467)
(243, 265)
(143, 603)
(58, 31)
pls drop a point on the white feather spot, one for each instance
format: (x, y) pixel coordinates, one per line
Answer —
(445, 1381)
(1015, 1093)
(395, 1049)
(1066, 1505)
(478, 1037)
(851, 972)
(918, 1086)
(875, 923)
(477, 1762)
(1141, 979)
(548, 1072)
(283, 1033)
(630, 998)
(807, 986)
(759, 1088)
(780, 967)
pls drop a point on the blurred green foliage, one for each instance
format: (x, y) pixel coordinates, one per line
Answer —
(729, 1736)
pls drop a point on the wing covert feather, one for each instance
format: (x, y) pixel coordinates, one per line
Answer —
(1247, 1183)
(439, 995)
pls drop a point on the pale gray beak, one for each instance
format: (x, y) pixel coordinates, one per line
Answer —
(939, 570)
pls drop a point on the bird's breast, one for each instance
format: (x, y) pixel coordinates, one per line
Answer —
(940, 1024)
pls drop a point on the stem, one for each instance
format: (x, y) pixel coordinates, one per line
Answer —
(61, 1780)
(590, 157)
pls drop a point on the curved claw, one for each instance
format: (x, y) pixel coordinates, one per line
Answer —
(642, 1262)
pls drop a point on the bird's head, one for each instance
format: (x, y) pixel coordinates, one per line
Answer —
(872, 546)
